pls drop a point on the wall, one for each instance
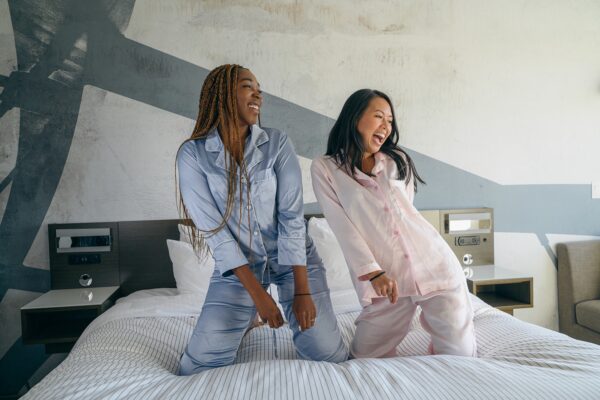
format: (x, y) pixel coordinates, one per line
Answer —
(497, 101)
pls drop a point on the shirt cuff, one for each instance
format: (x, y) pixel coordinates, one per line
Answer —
(291, 251)
(228, 256)
(367, 269)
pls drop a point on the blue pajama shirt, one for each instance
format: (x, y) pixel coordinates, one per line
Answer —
(272, 242)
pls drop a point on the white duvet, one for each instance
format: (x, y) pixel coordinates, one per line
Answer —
(132, 352)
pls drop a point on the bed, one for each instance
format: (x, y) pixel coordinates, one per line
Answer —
(132, 351)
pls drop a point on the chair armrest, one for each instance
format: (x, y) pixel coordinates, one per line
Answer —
(579, 271)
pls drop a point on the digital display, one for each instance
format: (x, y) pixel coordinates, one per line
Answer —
(83, 240)
(469, 223)
(90, 241)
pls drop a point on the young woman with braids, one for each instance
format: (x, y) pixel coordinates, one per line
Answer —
(241, 185)
(365, 184)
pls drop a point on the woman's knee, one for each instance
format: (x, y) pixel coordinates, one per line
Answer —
(323, 350)
(189, 366)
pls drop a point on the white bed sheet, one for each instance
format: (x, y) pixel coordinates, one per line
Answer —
(132, 352)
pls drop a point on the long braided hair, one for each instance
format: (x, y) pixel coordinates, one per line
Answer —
(218, 109)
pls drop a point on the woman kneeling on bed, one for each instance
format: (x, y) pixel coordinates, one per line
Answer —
(365, 185)
(242, 187)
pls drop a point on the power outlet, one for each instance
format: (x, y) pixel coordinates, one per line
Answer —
(595, 190)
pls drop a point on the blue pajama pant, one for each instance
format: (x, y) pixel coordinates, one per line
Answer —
(228, 311)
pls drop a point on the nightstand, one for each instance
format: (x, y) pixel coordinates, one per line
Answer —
(58, 317)
(501, 288)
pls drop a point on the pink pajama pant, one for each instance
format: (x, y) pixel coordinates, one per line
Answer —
(447, 315)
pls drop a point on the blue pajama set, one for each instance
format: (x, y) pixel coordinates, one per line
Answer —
(278, 241)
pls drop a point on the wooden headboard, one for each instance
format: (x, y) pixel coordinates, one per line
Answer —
(138, 258)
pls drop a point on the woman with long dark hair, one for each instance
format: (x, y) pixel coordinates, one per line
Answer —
(365, 185)
(241, 185)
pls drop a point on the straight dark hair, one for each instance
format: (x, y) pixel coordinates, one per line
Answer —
(345, 143)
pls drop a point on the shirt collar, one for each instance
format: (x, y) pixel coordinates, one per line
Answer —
(377, 168)
(214, 143)
(252, 153)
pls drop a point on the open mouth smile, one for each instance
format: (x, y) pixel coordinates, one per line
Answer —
(255, 107)
(379, 138)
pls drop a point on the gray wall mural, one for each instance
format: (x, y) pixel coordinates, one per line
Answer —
(62, 46)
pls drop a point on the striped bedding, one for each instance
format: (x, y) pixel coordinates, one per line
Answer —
(132, 352)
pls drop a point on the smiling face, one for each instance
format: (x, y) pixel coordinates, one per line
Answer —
(249, 98)
(375, 125)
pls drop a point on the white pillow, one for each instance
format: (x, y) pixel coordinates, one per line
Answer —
(192, 273)
(338, 275)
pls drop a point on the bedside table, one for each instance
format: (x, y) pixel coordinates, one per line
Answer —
(500, 287)
(57, 318)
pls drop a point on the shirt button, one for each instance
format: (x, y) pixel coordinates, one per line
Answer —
(406, 256)
(386, 209)
(249, 206)
(255, 233)
(396, 232)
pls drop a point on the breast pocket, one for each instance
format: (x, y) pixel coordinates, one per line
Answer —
(264, 188)
(395, 184)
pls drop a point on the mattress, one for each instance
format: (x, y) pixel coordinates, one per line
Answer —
(132, 352)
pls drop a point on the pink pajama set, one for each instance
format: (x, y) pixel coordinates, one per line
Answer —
(378, 228)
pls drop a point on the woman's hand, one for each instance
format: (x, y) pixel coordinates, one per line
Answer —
(305, 311)
(303, 306)
(265, 305)
(268, 310)
(384, 286)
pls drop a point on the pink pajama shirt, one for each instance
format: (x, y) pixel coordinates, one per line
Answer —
(378, 228)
